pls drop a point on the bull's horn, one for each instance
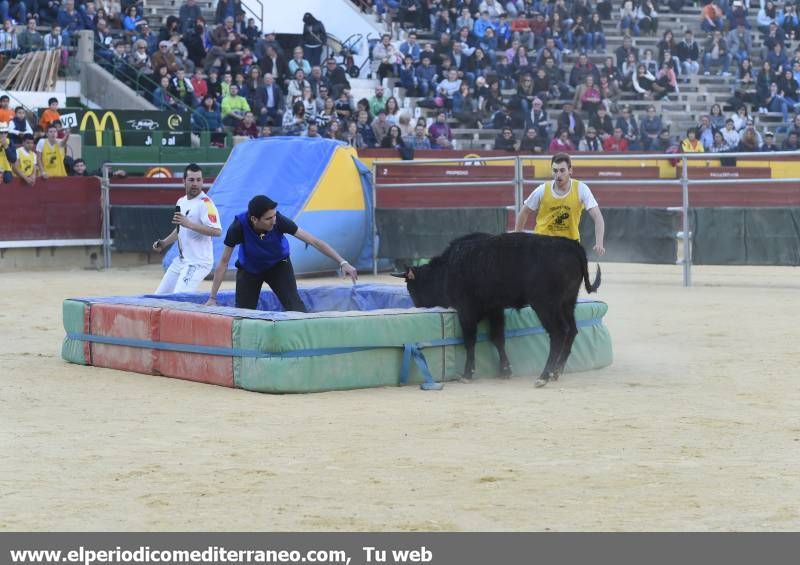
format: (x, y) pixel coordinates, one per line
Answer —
(400, 275)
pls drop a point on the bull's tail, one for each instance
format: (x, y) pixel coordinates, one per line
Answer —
(596, 284)
(590, 286)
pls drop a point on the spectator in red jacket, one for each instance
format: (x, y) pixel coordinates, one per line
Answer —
(616, 142)
(561, 143)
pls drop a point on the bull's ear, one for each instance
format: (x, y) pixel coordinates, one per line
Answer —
(409, 273)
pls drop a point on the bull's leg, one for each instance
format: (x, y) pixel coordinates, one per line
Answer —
(549, 318)
(497, 333)
(571, 331)
(469, 329)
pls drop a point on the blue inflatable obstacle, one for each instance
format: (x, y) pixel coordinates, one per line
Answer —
(318, 183)
(367, 335)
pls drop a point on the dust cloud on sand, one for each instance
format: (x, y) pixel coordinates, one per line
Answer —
(696, 426)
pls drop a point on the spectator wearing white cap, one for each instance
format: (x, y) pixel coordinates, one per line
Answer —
(164, 57)
(769, 142)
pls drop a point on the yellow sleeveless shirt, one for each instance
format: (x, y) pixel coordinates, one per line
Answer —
(560, 216)
(26, 161)
(53, 160)
(4, 164)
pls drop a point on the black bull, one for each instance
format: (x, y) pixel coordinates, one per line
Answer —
(479, 275)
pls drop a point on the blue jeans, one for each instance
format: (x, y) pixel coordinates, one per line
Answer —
(708, 28)
(19, 12)
(525, 106)
(595, 40)
(779, 104)
(382, 5)
(470, 78)
(725, 61)
(425, 86)
(689, 67)
(629, 23)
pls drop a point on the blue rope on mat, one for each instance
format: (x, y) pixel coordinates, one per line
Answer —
(414, 350)
(410, 350)
(213, 350)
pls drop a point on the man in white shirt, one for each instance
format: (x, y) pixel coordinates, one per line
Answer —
(449, 86)
(196, 223)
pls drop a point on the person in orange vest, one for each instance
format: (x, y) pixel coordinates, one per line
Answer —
(50, 115)
(6, 113)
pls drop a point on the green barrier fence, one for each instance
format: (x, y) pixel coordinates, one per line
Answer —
(635, 235)
(746, 236)
(156, 153)
(415, 233)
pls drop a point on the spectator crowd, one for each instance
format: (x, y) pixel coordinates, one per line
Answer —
(478, 64)
(493, 64)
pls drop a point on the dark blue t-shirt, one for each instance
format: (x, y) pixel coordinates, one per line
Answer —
(259, 252)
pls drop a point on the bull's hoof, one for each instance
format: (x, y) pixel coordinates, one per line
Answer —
(540, 382)
(505, 372)
(554, 376)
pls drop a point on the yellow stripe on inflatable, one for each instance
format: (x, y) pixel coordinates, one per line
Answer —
(339, 187)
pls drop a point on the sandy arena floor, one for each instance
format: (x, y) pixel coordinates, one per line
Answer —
(696, 426)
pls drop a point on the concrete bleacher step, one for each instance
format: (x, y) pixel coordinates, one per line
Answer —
(684, 109)
(156, 11)
(363, 83)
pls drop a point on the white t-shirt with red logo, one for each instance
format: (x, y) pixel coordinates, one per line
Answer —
(196, 247)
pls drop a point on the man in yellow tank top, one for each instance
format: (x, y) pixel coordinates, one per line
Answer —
(25, 167)
(50, 153)
(557, 206)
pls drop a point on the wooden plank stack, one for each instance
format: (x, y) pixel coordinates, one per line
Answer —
(36, 71)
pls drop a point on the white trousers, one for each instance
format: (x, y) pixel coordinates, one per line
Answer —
(182, 276)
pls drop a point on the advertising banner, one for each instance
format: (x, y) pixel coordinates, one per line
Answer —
(129, 127)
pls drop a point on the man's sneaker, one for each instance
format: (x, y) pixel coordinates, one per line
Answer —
(706, 73)
(726, 74)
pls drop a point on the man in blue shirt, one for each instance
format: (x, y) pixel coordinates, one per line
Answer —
(264, 256)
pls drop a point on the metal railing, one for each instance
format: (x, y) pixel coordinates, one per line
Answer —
(137, 80)
(257, 16)
(105, 196)
(519, 183)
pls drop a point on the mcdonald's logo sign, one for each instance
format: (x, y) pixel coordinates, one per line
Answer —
(158, 172)
(475, 160)
(100, 126)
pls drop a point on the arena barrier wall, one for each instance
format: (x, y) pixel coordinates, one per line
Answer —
(56, 208)
(359, 336)
(414, 233)
(639, 235)
(746, 236)
(636, 235)
(136, 227)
